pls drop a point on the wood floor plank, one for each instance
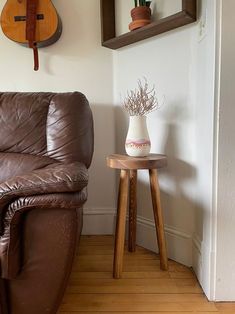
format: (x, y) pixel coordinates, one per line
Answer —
(138, 275)
(74, 312)
(130, 258)
(225, 307)
(127, 258)
(133, 286)
(125, 275)
(161, 312)
(137, 302)
(109, 257)
(108, 250)
(129, 265)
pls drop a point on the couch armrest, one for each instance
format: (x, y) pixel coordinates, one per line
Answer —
(10, 241)
(56, 178)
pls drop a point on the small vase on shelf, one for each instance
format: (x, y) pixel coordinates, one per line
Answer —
(137, 141)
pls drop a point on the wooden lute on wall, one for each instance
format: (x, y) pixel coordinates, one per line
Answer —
(31, 22)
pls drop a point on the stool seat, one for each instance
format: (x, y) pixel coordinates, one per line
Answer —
(128, 167)
(152, 161)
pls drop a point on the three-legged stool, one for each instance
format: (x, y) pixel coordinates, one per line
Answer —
(127, 189)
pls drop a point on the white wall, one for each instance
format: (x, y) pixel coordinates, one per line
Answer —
(213, 251)
(76, 62)
(182, 65)
(204, 98)
(225, 234)
(165, 61)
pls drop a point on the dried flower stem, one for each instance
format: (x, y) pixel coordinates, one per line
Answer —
(141, 101)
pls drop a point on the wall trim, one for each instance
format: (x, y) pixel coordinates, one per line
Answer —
(179, 242)
(168, 229)
(197, 256)
(99, 211)
(197, 243)
(98, 221)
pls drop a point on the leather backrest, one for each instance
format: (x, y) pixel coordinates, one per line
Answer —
(56, 125)
(70, 128)
(23, 120)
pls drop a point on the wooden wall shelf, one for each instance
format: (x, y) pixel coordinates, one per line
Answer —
(186, 16)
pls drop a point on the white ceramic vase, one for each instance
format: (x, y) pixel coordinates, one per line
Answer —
(137, 140)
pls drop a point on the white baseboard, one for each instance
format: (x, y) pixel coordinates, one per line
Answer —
(203, 267)
(197, 257)
(98, 221)
(179, 244)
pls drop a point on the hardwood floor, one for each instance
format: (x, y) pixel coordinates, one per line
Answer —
(144, 288)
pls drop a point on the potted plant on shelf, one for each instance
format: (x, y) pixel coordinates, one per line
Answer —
(141, 14)
(138, 103)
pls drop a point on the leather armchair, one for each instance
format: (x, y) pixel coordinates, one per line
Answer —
(46, 147)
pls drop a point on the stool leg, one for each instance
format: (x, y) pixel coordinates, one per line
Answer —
(132, 211)
(120, 224)
(158, 217)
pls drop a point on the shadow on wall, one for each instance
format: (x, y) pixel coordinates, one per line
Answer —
(121, 127)
(177, 180)
(179, 207)
(102, 189)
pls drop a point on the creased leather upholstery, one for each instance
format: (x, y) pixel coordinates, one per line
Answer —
(55, 178)
(10, 241)
(46, 147)
(63, 117)
(21, 112)
(47, 124)
(18, 164)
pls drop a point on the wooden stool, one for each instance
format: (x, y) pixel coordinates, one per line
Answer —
(128, 178)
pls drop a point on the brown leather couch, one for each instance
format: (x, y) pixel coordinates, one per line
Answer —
(46, 147)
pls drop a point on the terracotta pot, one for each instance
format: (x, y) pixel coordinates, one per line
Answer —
(141, 16)
(141, 13)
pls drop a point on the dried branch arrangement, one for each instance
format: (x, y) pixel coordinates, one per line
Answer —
(141, 101)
